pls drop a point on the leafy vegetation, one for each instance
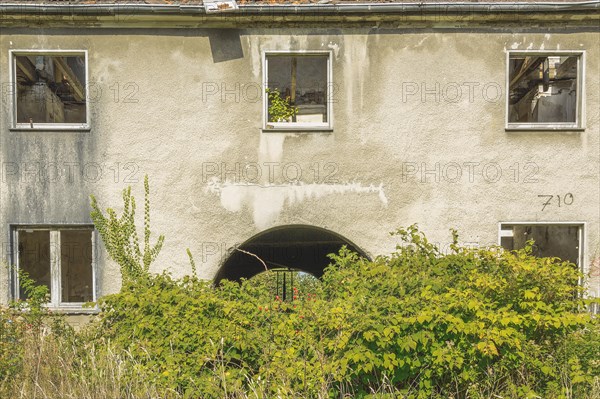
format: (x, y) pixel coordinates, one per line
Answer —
(280, 109)
(471, 324)
(120, 236)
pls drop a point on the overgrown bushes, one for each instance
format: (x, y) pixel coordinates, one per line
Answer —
(471, 324)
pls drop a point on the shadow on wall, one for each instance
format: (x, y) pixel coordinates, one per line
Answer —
(225, 44)
(298, 247)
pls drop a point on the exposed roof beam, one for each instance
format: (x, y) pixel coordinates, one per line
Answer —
(26, 68)
(67, 72)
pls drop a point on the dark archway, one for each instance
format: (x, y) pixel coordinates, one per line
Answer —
(298, 247)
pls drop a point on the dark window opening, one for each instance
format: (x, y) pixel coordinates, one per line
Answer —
(34, 257)
(297, 248)
(76, 265)
(60, 259)
(551, 240)
(301, 82)
(543, 89)
(51, 89)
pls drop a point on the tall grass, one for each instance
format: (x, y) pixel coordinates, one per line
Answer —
(65, 365)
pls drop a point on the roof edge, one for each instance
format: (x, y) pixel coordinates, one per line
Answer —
(287, 9)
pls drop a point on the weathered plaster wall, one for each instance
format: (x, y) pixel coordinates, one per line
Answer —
(362, 180)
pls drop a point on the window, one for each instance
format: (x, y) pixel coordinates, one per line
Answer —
(561, 240)
(50, 90)
(298, 91)
(61, 259)
(545, 90)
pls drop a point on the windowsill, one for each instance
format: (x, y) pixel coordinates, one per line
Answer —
(529, 127)
(74, 310)
(50, 128)
(298, 130)
(296, 127)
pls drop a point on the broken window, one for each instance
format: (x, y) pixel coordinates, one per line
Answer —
(298, 90)
(550, 240)
(62, 260)
(50, 89)
(544, 90)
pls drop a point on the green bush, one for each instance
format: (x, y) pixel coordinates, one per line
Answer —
(472, 324)
(418, 323)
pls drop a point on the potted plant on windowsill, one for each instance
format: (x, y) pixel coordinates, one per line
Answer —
(280, 109)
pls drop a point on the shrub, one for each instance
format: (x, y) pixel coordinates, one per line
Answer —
(470, 324)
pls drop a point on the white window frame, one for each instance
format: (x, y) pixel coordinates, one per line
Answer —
(579, 123)
(297, 126)
(582, 237)
(56, 303)
(13, 84)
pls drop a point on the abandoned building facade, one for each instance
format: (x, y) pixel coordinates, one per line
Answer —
(289, 130)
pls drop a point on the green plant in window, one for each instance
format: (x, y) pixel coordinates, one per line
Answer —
(280, 109)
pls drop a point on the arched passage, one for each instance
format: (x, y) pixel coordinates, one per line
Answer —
(298, 247)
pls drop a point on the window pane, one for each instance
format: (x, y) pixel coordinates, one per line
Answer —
(302, 79)
(34, 257)
(50, 89)
(561, 241)
(76, 265)
(543, 89)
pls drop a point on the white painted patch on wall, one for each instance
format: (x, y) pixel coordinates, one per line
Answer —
(267, 201)
(270, 148)
(255, 56)
(356, 71)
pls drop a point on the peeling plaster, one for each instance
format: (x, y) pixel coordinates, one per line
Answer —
(267, 201)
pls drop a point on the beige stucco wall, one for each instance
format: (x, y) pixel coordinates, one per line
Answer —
(366, 185)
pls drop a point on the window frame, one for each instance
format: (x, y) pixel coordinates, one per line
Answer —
(56, 303)
(579, 124)
(13, 84)
(297, 126)
(582, 237)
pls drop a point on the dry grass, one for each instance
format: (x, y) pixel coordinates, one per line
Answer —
(55, 367)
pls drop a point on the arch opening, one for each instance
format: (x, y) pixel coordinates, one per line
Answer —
(293, 247)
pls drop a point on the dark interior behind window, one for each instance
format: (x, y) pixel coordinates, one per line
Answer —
(34, 257)
(561, 241)
(76, 265)
(302, 79)
(50, 88)
(543, 89)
